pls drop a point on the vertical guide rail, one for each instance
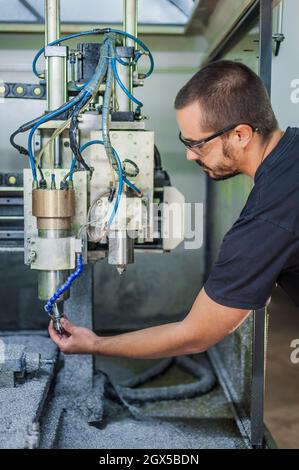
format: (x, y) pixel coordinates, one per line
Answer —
(260, 316)
(130, 17)
(55, 66)
(130, 20)
(258, 377)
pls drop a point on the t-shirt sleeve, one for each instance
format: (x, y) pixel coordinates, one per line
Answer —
(252, 255)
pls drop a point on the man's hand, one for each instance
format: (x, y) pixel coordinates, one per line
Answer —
(74, 339)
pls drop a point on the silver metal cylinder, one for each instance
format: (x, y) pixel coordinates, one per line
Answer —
(125, 73)
(57, 153)
(121, 249)
(130, 20)
(279, 18)
(52, 16)
(56, 86)
(56, 82)
(50, 281)
(56, 68)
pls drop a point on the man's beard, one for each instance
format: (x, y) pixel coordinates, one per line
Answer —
(222, 172)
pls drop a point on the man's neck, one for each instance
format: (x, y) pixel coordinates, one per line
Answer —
(259, 152)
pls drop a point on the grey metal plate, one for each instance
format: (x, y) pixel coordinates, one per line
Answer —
(21, 406)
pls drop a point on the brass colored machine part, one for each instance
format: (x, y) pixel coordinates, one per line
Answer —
(53, 208)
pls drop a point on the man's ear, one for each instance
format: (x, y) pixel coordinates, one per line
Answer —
(243, 134)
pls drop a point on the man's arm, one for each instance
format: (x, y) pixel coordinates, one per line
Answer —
(206, 324)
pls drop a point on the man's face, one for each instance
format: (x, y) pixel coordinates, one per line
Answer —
(219, 157)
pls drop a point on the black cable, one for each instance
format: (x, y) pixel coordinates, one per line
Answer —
(64, 182)
(24, 151)
(28, 125)
(73, 133)
(19, 148)
(41, 172)
(158, 160)
(277, 48)
(161, 177)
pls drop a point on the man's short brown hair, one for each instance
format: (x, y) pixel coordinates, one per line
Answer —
(229, 93)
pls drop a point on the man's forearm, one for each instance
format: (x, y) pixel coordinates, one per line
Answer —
(205, 325)
(151, 343)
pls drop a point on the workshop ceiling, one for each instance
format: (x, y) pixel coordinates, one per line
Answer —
(150, 12)
(210, 19)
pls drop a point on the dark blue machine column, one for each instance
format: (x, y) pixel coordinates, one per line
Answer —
(260, 316)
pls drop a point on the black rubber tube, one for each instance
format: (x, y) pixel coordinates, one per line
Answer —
(200, 369)
(73, 135)
(149, 374)
(157, 157)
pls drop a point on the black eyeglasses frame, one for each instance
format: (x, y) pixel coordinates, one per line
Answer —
(199, 143)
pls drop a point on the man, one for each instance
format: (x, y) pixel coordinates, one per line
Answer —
(228, 127)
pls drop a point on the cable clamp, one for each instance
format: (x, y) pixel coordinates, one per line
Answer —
(56, 51)
(78, 245)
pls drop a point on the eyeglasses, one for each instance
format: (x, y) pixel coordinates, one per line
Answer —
(192, 144)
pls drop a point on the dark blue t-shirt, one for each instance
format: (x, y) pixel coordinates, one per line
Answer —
(262, 247)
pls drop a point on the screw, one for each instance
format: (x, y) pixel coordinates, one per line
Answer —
(32, 256)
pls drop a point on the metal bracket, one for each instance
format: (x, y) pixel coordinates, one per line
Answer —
(52, 254)
(56, 51)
